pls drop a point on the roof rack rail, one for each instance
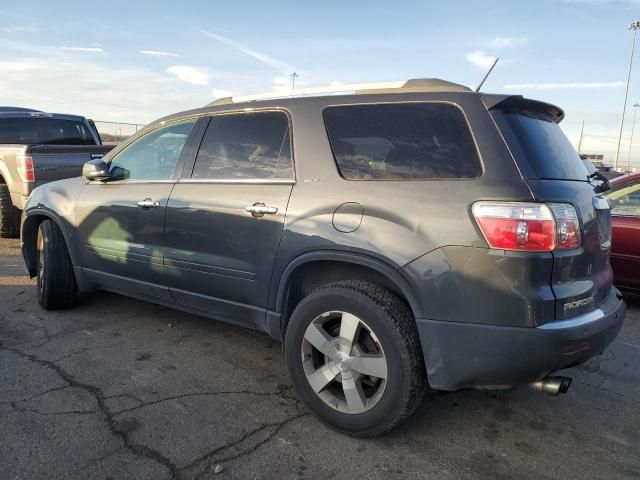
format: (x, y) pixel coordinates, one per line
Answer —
(402, 86)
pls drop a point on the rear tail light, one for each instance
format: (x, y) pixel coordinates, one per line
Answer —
(25, 168)
(533, 227)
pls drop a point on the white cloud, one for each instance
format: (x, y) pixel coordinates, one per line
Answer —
(281, 83)
(135, 95)
(480, 59)
(565, 85)
(83, 49)
(11, 29)
(507, 42)
(220, 93)
(193, 75)
(160, 53)
(262, 57)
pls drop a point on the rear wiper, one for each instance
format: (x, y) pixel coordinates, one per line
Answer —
(604, 184)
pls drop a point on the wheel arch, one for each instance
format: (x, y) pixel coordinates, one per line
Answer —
(29, 237)
(311, 270)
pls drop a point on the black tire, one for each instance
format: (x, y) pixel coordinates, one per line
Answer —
(56, 287)
(391, 321)
(9, 215)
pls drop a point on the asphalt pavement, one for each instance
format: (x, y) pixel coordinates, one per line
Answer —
(117, 388)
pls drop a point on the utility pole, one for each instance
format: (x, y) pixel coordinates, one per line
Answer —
(293, 76)
(581, 135)
(633, 126)
(634, 26)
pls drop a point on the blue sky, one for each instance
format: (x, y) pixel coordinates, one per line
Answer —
(136, 61)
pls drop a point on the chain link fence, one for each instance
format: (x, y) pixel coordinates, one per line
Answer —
(115, 132)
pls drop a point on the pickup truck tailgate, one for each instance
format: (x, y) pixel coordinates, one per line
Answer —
(55, 162)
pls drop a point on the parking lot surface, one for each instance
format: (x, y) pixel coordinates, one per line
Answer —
(118, 388)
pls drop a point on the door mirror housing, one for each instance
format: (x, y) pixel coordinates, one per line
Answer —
(96, 169)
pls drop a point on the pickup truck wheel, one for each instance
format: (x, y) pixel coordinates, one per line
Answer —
(9, 215)
(56, 285)
(353, 352)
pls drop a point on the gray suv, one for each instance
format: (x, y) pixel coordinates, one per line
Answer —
(394, 238)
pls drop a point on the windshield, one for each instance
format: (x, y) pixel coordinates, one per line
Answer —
(536, 139)
(49, 131)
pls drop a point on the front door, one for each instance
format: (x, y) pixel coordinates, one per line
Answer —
(226, 214)
(121, 221)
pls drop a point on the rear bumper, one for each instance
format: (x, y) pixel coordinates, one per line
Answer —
(460, 355)
(19, 201)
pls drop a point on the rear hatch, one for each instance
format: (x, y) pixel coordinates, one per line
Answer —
(581, 277)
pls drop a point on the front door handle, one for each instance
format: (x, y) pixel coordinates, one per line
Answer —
(259, 209)
(148, 203)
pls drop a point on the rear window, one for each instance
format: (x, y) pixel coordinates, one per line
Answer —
(409, 141)
(44, 131)
(536, 139)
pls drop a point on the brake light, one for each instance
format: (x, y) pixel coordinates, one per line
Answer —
(534, 227)
(25, 168)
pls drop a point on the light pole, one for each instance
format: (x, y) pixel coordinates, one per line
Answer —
(293, 76)
(634, 26)
(581, 135)
(633, 126)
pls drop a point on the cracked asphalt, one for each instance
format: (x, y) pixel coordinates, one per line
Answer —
(117, 388)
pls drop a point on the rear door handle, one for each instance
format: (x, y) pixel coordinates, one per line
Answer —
(148, 203)
(259, 209)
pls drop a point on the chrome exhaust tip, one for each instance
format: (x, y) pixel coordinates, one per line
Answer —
(552, 385)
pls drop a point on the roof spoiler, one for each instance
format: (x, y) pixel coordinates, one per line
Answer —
(520, 102)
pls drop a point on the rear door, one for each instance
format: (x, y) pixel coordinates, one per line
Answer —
(582, 277)
(226, 214)
(625, 255)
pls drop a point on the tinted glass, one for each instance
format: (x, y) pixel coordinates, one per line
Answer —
(401, 141)
(44, 131)
(537, 139)
(153, 156)
(626, 201)
(245, 146)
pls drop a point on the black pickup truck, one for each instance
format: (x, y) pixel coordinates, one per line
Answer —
(36, 148)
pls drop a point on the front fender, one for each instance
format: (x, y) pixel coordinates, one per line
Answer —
(55, 201)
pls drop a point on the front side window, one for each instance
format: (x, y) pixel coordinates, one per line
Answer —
(246, 146)
(401, 141)
(153, 156)
(626, 201)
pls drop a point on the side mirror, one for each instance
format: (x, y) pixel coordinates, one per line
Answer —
(96, 170)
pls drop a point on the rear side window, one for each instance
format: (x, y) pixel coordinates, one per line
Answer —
(536, 139)
(246, 146)
(409, 141)
(44, 131)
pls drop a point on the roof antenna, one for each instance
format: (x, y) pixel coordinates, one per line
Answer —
(484, 79)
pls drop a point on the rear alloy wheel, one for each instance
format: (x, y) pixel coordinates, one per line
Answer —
(353, 353)
(344, 362)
